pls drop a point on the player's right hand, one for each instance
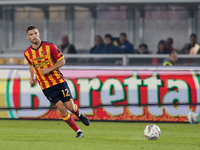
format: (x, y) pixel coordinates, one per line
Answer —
(32, 81)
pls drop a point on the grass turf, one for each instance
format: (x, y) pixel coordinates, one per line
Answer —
(56, 135)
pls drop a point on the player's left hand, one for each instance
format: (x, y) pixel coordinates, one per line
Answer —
(45, 70)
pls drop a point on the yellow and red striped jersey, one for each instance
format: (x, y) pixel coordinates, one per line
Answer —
(44, 57)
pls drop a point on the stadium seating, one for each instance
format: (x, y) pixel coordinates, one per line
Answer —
(23, 61)
(1, 61)
(12, 61)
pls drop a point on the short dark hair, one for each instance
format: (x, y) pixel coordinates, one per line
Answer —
(109, 36)
(171, 52)
(193, 34)
(172, 41)
(31, 28)
(143, 45)
(100, 38)
(123, 34)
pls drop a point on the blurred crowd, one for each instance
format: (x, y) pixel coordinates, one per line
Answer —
(121, 45)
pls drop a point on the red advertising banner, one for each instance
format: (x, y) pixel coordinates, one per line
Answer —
(108, 95)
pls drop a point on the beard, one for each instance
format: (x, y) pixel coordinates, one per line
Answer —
(35, 41)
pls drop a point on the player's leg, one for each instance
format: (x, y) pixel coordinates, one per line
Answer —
(74, 109)
(68, 118)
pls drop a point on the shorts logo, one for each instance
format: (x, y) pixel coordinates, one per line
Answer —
(50, 98)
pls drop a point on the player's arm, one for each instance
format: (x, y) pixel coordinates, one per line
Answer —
(56, 66)
(32, 79)
(31, 69)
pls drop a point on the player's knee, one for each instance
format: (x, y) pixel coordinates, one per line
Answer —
(61, 108)
(63, 112)
(71, 109)
(70, 106)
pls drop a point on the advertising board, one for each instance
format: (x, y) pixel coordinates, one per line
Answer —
(120, 95)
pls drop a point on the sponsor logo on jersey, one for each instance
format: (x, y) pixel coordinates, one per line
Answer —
(42, 64)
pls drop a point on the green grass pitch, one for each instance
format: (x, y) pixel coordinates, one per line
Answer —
(56, 135)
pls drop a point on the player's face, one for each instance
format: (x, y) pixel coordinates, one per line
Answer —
(33, 36)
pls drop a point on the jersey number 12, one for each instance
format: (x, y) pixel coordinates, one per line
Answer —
(65, 92)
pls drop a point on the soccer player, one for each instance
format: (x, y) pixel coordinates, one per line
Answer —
(44, 60)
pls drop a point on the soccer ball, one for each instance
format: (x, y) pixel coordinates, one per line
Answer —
(193, 117)
(152, 132)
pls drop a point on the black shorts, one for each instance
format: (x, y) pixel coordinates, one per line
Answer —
(58, 92)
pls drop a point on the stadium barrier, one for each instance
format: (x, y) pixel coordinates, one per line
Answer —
(107, 93)
(115, 59)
